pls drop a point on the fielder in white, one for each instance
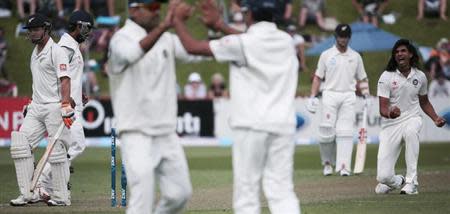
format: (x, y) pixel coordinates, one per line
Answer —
(340, 67)
(49, 108)
(80, 25)
(402, 92)
(144, 100)
(263, 82)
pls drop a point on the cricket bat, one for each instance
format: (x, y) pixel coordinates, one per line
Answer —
(360, 157)
(38, 171)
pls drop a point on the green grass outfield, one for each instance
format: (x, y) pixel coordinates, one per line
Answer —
(212, 181)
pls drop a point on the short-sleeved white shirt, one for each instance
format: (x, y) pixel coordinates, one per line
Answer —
(340, 70)
(402, 92)
(297, 40)
(47, 67)
(72, 49)
(143, 84)
(263, 77)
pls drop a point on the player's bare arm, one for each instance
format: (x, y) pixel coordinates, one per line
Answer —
(388, 111)
(315, 86)
(429, 110)
(148, 19)
(192, 46)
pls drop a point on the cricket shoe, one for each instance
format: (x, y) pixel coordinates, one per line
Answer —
(327, 170)
(399, 181)
(382, 189)
(22, 201)
(54, 203)
(409, 189)
(344, 172)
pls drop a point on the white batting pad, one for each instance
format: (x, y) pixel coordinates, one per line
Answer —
(23, 162)
(59, 167)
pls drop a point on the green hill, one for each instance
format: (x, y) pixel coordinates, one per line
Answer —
(426, 32)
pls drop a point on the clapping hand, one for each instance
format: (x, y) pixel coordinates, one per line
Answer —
(211, 14)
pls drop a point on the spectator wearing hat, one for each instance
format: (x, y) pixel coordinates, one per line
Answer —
(370, 10)
(195, 89)
(340, 67)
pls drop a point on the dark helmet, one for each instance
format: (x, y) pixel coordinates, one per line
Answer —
(343, 30)
(81, 17)
(37, 20)
(257, 5)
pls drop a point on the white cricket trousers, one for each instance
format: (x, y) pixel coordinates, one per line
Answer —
(267, 157)
(336, 128)
(390, 148)
(150, 159)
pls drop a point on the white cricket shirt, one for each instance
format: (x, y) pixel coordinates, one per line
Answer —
(72, 49)
(143, 84)
(263, 77)
(340, 70)
(402, 92)
(47, 67)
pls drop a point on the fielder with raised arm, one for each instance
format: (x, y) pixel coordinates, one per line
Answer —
(50, 107)
(80, 25)
(402, 92)
(143, 93)
(340, 67)
(263, 76)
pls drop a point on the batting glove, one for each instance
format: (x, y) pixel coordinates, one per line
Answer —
(68, 114)
(312, 105)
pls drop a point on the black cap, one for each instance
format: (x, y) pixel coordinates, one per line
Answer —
(81, 16)
(37, 20)
(343, 30)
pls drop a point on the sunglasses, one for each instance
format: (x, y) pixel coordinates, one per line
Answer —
(154, 6)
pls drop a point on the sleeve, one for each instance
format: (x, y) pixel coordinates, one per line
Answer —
(69, 52)
(360, 72)
(424, 86)
(60, 61)
(122, 52)
(182, 54)
(383, 89)
(321, 67)
(228, 49)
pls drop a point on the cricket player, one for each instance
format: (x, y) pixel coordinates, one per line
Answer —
(144, 100)
(50, 107)
(263, 76)
(80, 25)
(402, 92)
(340, 67)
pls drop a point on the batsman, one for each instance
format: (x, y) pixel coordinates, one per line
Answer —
(339, 67)
(50, 107)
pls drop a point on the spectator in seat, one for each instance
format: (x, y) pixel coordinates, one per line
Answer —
(86, 5)
(440, 87)
(218, 88)
(312, 11)
(195, 88)
(432, 8)
(370, 10)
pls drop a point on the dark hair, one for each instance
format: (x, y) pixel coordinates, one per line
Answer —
(262, 14)
(414, 61)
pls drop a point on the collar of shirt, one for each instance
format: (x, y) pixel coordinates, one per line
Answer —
(262, 27)
(46, 47)
(69, 41)
(135, 27)
(337, 52)
(410, 75)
